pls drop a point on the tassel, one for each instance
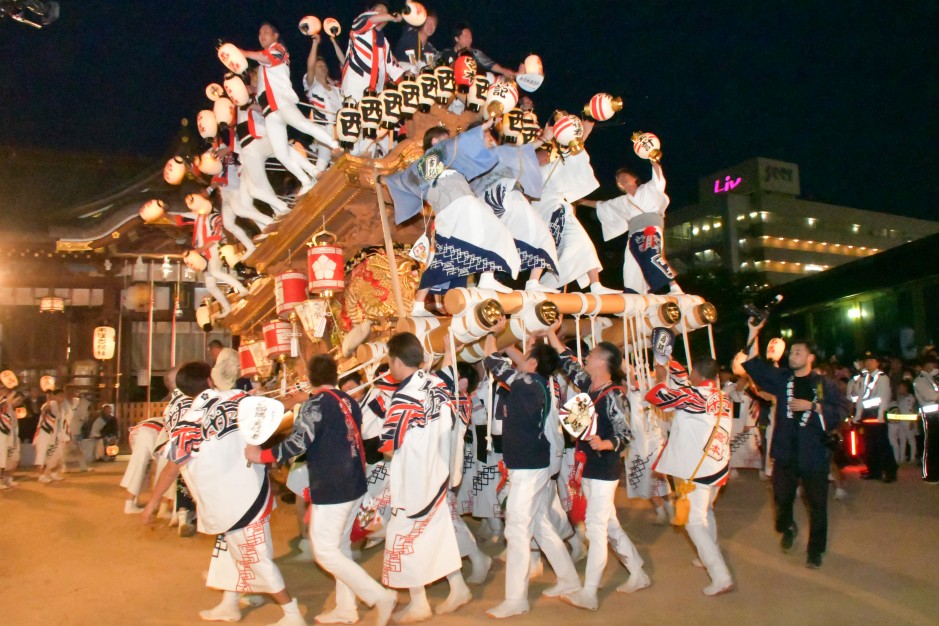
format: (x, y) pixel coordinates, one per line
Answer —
(294, 340)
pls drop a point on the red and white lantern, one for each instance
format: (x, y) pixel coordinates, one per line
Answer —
(232, 58)
(603, 106)
(277, 334)
(325, 265)
(246, 358)
(569, 131)
(332, 27)
(647, 146)
(464, 72)
(414, 13)
(310, 25)
(289, 291)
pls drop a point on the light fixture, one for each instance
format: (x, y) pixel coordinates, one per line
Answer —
(167, 267)
(51, 304)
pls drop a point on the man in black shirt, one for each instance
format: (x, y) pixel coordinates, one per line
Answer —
(808, 407)
(417, 40)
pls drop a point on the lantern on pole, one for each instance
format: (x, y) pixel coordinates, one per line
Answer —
(332, 27)
(224, 110)
(512, 126)
(174, 171)
(209, 163)
(476, 96)
(464, 71)
(51, 304)
(647, 146)
(569, 131)
(214, 91)
(410, 96)
(414, 13)
(103, 343)
(348, 124)
(47, 383)
(445, 84)
(501, 97)
(310, 26)
(370, 107)
(249, 368)
(603, 106)
(9, 379)
(390, 108)
(325, 264)
(428, 83)
(236, 90)
(532, 75)
(207, 124)
(232, 58)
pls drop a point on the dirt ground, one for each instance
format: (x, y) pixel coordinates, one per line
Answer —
(68, 555)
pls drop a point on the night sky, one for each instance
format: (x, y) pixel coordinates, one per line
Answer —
(848, 90)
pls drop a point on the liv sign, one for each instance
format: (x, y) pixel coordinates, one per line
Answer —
(728, 184)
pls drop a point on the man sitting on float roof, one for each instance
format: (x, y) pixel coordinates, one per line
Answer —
(463, 40)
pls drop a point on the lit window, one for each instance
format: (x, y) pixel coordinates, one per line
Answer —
(855, 228)
(753, 215)
(813, 268)
(694, 231)
(706, 227)
(811, 221)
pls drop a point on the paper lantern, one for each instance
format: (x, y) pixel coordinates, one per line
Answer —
(236, 90)
(332, 27)
(199, 204)
(209, 164)
(174, 171)
(112, 450)
(325, 265)
(511, 127)
(532, 75)
(569, 131)
(214, 91)
(232, 58)
(533, 65)
(51, 304)
(370, 107)
(264, 364)
(152, 210)
(224, 110)
(246, 359)
(445, 84)
(390, 108)
(310, 25)
(775, 349)
(476, 96)
(410, 92)
(277, 338)
(9, 379)
(647, 146)
(464, 72)
(204, 315)
(137, 297)
(428, 83)
(103, 343)
(194, 261)
(206, 124)
(603, 106)
(414, 13)
(501, 97)
(348, 124)
(531, 129)
(289, 291)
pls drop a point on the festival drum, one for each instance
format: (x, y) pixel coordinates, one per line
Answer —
(569, 131)
(277, 338)
(310, 25)
(260, 419)
(207, 124)
(326, 265)
(236, 90)
(232, 58)
(289, 291)
(249, 368)
(174, 171)
(647, 146)
(195, 261)
(603, 106)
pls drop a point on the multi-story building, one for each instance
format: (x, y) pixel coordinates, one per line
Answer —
(749, 218)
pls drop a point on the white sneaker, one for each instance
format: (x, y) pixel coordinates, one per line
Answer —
(131, 508)
(487, 280)
(481, 565)
(419, 310)
(599, 290)
(45, 480)
(534, 285)
(221, 613)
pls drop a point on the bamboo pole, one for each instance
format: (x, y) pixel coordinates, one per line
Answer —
(389, 248)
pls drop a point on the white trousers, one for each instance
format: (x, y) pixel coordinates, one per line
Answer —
(233, 207)
(702, 529)
(901, 436)
(255, 182)
(330, 525)
(141, 455)
(215, 274)
(526, 517)
(465, 540)
(243, 561)
(276, 127)
(288, 112)
(602, 523)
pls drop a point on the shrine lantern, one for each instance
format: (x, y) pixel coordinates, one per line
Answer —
(501, 97)
(174, 171)
(445, 84)
(232, 58)
(370, 107)
(103, 343)
(289, 291)
(476, 96)
(249, 368)
(325, 265)
(332, 27)
(348, 124)
(428, 83)
(647, 146)
(410, 92)
(569, 131)
(206, 124)
(512, 126)
(414, 13)
(152, 210)
(214, 91)
(464, 72)
(224, 110)
(310, 26)
(209, 163)
(236, 90)
(603, 106)
(277, 334)
(390, 108)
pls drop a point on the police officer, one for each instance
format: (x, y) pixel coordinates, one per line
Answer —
(873, 396)
(926, 389)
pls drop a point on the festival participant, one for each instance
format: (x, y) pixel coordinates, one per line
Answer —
(745, 436)
(807, 407)
(646, 446)
(416, 40)
(50, 434)
(182, 507)
(328, 431)
(602, 378)
(487, 477)
(235, 201)
(9, 437)
(564, 182)
(530, 415)
(463, 40)
(234, 499)
(468, 237)
(697, 452)
(78, 414)
(870, 408)
(143, 442)
(369, 63)
(279, 101)
(420, 545)
(374, 406)
(254, 148)
(640, 211)
(226, 366)
(926, 389)
(325, 96)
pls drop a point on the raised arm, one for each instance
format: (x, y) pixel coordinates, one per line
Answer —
(311, 59)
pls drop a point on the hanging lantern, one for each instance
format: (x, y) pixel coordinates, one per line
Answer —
(603, 106)
(332, 27)
(414, 13)
(532, 75)
(152, 210)
(289, 291)
(209, 164)
(232, 58)
(229, 254)
(246, 359)
(206, 124)
(310, 25)
(51, 304)
(236, 90)
(204, 315)
(325, 265)
(137, 297)
(410, 92)
(224, 110)
(569, 131)
(512, 126)
(277, 338)
(428, 83)
(174, 171)
(348, 124)
(476, 96)
(647, 146)
(195, 261)
(464, 72)
(214, 91)
(370, 107)
(445, 84)
(47, 384)
(198, 203)
(501, 97)
(103, 343)
(9, 379)
(390, 108)
(531, 129)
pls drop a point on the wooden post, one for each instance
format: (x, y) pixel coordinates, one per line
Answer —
(389, 249)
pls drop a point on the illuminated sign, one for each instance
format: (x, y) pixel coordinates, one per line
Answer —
(728, 184)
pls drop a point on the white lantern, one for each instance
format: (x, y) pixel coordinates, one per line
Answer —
(206, 123)
(9, 379)
(428, 83)
(152, 210)
(232, 58)
(204, 316)
(370, 107)
(104, 342)
(236, 90)
(532, 75)
(47, 383)
(175, 170)
(209, 163)
(137, 297)
(414, 13)
(647, 146)
(224, 110)
(310, 25)
(569, 131)
(603, 106)
(501, 97)
(214, 91)
(199, 204)
(446, 84)
(332, 27)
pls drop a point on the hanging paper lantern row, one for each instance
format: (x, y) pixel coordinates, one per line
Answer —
(647, 146)
(277, 338)
(603, 106)
(290, 289)
(410, 92)
(390, 108)
(224, 110)
(236, 90)
(476, 96)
